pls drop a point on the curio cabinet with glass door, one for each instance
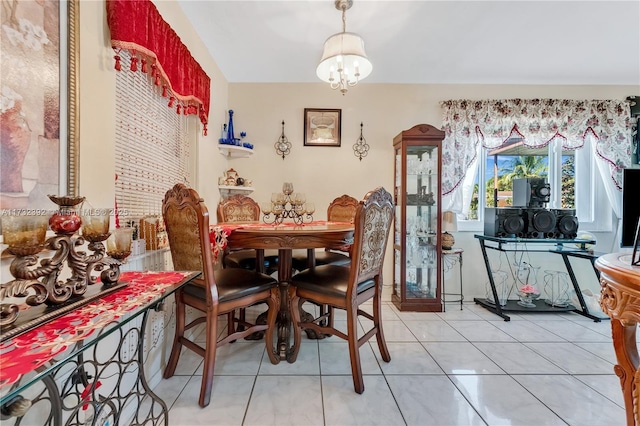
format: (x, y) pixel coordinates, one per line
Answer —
(416, 244)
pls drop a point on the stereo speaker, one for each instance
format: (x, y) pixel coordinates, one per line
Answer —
(531, 192)
(507, 222)
(566, 223)
(541, 223)
(512, 222)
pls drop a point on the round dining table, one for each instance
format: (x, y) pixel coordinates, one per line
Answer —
(285, 238)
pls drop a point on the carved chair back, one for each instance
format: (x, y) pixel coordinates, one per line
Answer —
(373, 219)
(187, 223)
(238, 208)
(342, 209)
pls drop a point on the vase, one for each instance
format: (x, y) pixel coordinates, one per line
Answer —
(556, 286)
(230, 136)
(66, 220)
(527, 274)
(526, 300)
(503, 288)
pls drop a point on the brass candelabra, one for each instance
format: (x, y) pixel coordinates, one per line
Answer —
(287, 205)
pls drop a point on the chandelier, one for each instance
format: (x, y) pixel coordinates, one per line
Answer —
(344, 61)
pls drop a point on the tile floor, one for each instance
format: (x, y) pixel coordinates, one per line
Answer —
(461, 367)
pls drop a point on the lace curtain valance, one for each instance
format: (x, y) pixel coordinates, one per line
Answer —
(491, 123)
(156, 48)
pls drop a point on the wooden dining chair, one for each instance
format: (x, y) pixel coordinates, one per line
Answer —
(341, 209)
(214, 293)
(240, 208)
(346, 288)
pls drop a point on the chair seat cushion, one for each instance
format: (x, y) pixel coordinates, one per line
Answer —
(299, 261)
(234, 283)
(330, 280)
(246, 259)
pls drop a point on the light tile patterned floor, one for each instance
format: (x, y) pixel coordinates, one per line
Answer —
(464, 367)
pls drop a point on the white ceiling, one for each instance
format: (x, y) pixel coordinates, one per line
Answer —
(428, 42)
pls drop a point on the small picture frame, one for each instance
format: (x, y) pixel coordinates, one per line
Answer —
(635, 256)
(322, 127)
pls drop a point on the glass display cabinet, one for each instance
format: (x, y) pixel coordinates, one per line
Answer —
(417, 230)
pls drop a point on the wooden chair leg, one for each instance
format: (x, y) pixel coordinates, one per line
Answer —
(209, 360)
(354, 349)
(377, 319)
(170, 369)
(331, 312)
(323, 310)
(231, 324)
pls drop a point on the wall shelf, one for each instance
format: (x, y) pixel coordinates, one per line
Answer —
(235, 151)
(228, 190)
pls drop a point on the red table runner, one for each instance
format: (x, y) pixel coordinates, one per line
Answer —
(34, 348)
(219, 233)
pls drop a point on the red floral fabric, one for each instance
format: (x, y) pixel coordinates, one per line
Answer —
(137, 25)
(32, 349)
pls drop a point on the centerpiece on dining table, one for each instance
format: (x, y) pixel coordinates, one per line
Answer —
(287, 205)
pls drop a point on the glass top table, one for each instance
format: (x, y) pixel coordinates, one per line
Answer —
(67, 357)
(562, 246)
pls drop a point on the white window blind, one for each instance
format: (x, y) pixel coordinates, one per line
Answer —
(152, 147)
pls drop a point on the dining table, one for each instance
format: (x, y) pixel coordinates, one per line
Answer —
(284, 237)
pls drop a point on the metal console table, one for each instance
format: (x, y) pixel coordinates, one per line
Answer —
(507, 245)
(84, 366)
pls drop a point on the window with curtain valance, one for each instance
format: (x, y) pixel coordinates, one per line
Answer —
(470, 124)
(138, 27)
(473, 127)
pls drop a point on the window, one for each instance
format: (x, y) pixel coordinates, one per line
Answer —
(581, 146)
(571, 174)
(154, 145)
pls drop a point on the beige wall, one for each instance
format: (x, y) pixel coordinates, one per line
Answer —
(322, 173)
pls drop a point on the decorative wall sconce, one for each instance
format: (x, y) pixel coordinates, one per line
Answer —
(283, 146)
(38, 284)
(361, 148)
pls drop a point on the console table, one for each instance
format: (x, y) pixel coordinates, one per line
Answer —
(85, 366)
(620, 299)
(531, 245)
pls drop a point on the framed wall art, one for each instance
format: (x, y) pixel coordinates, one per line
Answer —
(322, 127)
(39, 103)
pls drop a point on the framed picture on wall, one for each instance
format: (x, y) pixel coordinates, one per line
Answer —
(322, 127)
(38, 147)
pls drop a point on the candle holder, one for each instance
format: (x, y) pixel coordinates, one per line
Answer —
(287, 204)
(119, 243)
(37, 280)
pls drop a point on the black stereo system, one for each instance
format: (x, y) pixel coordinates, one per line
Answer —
(531, 192)
(528, 218)
(533, 222)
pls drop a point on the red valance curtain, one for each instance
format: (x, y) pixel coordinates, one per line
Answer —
(136, 25)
